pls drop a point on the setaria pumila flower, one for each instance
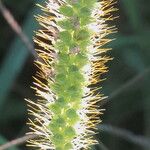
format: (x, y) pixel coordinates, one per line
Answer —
(72, 60)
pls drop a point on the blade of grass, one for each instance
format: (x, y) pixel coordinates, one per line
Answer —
(16, 57)
(131, 7)
(3, 140)
(16, 28)
(126, 135)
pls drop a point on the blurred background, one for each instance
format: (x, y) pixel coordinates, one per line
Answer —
(126, 120)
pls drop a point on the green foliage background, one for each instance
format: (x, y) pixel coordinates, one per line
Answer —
(128, 105)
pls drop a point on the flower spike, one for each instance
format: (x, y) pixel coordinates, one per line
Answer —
(70, 43)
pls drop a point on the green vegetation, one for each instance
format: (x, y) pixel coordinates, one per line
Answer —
(127, 109)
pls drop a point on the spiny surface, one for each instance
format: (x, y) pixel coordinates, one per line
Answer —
(70, 47)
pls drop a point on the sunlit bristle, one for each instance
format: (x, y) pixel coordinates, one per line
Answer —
(72, 60)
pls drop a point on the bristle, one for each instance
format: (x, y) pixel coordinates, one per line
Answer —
(70, 45)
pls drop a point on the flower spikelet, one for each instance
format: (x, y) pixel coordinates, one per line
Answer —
(72, 60)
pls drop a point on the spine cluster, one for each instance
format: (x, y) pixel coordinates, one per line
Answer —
(71, 64)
